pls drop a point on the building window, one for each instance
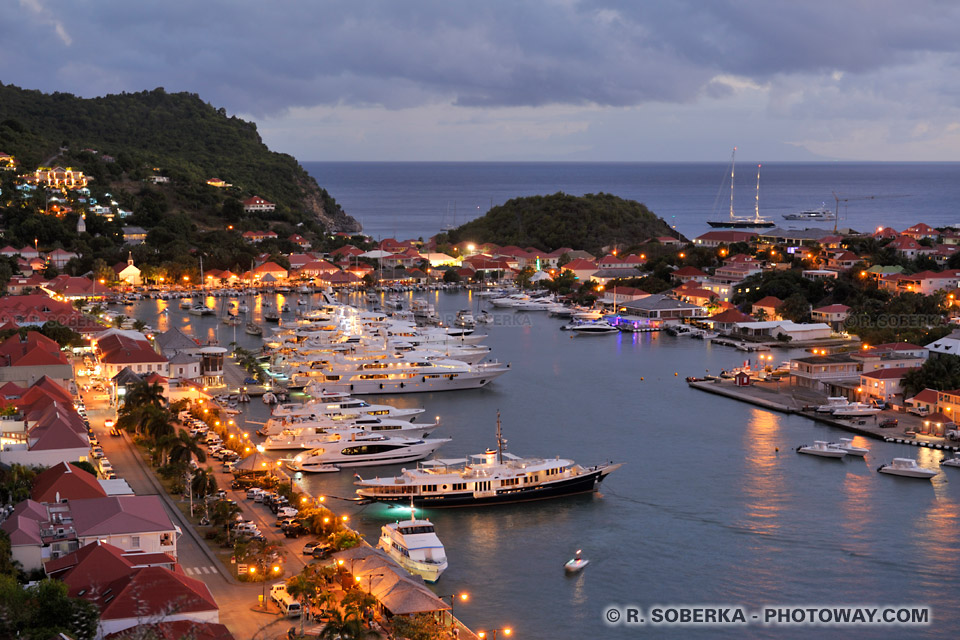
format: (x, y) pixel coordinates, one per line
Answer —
(136, 542)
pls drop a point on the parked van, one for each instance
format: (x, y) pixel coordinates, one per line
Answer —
(288, 605)
(253, 492)
(105, 467)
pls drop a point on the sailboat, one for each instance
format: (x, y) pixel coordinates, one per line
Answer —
(742, 222)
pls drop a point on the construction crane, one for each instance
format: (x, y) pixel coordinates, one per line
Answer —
(836, 213)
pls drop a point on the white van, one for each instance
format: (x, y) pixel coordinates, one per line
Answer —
(288, 605)
(253, 492)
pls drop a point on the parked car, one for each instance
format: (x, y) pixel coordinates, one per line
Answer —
(96, 452)
(887, 423)
(115, 432)
(294, 531)
(322, 550)
(310, 546)
(287, 512)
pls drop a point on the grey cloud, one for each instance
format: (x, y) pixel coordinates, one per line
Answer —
(265, 57)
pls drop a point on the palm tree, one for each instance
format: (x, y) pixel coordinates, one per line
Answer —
(303, 587)
(185, 447)
(156, 422)
(139, 325)
(145, 393)
(346, 626)
(224, 513)
(204, 483)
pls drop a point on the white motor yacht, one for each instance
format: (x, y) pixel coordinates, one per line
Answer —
(415, 546)
(908, 468)
(951, 462)
(832, 403)
(366, 451)
(592, 328)
(847, 445)
(317, 434)
(509, 301)
(856, 409)
(822, 449)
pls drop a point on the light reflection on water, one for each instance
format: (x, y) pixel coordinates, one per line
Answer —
(705, 509)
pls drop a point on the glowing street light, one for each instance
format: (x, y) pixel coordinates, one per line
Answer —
(506, 631)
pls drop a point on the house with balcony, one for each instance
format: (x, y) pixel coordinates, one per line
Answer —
(834, 315)
(713, 239)
(256, 204)
(118, 350)
(907, 247)
(766, 308)
(838, 374)
(883, 384)
(921, 231)
(690, 274)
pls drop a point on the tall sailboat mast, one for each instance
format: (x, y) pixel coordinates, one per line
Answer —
(757, 206)
(733, 162)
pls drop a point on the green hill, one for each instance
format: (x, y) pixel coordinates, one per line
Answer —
(588, 222)
(181, 137)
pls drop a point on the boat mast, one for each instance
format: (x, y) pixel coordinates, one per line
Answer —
(757, 206)
(733, 157)
(500, 441)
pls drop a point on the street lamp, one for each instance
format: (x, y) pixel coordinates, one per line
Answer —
(453, 598)
(370, 577)
(506, 631)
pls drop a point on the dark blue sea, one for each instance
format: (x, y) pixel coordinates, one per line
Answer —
(417, 199)
(712, 506)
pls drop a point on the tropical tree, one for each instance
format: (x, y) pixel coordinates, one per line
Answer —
(203, 484)
(185, 447)
(358, 601)
(345, 626)
(139, 325)
(303, 587)
(16, 483)
(224, 512)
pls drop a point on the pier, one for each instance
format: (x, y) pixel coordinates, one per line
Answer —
(794, 400)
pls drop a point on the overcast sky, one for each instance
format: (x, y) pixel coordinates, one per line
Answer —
(642, 80)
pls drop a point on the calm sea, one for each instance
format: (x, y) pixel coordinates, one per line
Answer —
(417, 199)
(712, 505)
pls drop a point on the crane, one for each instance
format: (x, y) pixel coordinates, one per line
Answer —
(836, 213)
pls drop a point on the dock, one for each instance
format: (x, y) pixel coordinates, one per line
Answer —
(793, 400)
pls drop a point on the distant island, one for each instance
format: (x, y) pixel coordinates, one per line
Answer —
(591, 222)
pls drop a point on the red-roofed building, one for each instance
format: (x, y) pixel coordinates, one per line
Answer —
(842, 260)
(346, 251)
(901, 349)
(70, 288)
(271, 268)
(920, 231)
(834, 315)
(63, 481)
(618, 295)
(883, 233)
(300, 241)
(766, 308)
(695, 295)
(925, 401)
(909, 248)
(256, 204)
(175, 630)
(882, 384)
(259, 236)
(28, 359)
(581, 268)
(717, 238)
(725, 320)
(120, 350)
(687, 274)
(131, 589)
(317, 267)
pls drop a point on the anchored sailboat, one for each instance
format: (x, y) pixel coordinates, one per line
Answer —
(742, 222)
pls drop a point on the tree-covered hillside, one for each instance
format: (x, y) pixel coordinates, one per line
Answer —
(588, 222)
(179, 135)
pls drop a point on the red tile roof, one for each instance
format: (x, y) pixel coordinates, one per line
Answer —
(927, 396)
(833, 308)
(122, 349)
(732, 315)
(893, 373)
(67, 481)
(174, 630)
(768, 301)
(35, 349)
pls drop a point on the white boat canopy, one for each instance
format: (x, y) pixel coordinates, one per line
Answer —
(442, 462)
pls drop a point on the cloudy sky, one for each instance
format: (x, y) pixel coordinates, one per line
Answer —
(641, 80)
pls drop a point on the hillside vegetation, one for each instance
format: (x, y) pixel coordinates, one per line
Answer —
(179, 135)
(590, 222)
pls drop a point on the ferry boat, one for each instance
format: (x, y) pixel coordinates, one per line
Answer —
(415, 546)
(822, 449)
(366, 451)
(492, 477)
(908, 468)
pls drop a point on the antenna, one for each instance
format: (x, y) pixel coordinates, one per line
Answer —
(500, 441)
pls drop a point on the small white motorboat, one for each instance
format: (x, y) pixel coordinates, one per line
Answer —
(847, 445)
(833, 403)
(951, 462)
(591, 328)
(908, 468)
(822, 449)
(855, 409)
(576, 564)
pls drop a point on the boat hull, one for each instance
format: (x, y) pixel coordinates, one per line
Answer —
(430, 572)
(585, 483)
(736, 224)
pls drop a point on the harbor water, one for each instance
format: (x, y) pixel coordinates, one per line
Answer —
(712, 506)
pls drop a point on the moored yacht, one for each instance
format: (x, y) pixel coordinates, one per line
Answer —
(847, 445)
(822, 449)
(366, 451)
(908, 468)
(855, 409)
(317, 435)
(492, 477)
(414, 544)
